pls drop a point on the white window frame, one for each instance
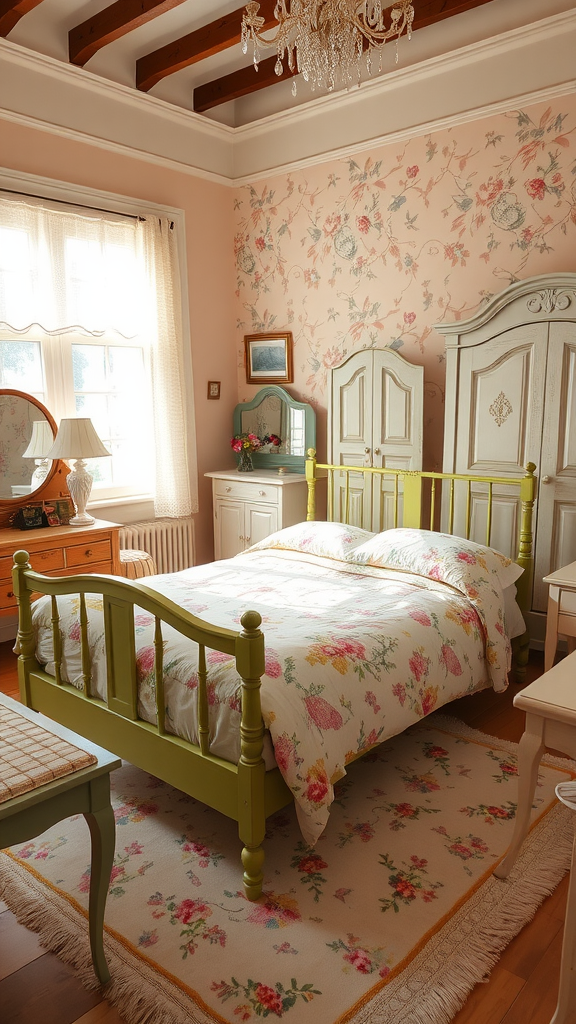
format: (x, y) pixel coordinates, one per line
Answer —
(47, 188)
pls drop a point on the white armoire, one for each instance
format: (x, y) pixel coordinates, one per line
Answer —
(510, 400)
(375, 418)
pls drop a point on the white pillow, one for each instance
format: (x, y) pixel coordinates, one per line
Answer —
(328, 540)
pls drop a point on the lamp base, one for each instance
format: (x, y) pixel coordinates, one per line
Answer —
(81, 520)
(80, 484)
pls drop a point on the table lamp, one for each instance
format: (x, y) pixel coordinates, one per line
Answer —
(40, 444)
(76, 439)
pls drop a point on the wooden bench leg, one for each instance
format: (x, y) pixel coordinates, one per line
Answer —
(103, 834)
(530, 753)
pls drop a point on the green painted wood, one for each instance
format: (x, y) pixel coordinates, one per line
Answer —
(121, 685)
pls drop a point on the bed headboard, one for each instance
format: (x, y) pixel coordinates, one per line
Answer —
(378, 498)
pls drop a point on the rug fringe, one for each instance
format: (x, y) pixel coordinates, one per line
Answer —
(141, 994)
(513, 902)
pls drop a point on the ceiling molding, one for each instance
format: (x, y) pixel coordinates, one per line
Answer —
(426, 128)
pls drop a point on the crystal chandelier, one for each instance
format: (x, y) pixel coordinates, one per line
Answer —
(327, 41)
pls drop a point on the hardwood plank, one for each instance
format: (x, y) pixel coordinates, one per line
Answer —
(537, 1000)
(101, 1014)
(18, 945)
(47, 991)
(523, 954)
(488, 1003)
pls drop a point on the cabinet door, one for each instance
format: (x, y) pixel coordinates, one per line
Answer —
(397, 429)
(260, 522)
(499, 398)
(556, 538)
(350, 437)
(228, 528)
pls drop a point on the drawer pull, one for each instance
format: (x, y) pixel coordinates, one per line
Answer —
(228, 489)
(10, 593)
(262, 494)
(88, 552)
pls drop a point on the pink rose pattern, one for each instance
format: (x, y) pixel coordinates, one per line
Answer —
(317, 248)
(379, 829)
(330, 689)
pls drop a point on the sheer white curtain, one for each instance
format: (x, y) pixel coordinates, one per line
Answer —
(175, 495)
(68, 269)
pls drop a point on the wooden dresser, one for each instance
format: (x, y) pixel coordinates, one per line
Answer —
(59, 551)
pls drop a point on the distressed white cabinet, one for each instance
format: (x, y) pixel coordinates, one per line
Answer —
(510, 400)
(248, 507)
(375, 419)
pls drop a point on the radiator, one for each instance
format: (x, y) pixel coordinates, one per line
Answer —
(169, 541)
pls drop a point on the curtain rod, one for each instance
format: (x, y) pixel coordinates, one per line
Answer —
(65, 202)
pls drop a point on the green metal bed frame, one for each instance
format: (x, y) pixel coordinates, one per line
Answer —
(244, 791)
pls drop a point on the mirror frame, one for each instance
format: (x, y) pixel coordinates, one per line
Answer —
(266, 460)
(11, 504)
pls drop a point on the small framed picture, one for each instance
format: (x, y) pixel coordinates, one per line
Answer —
(214, 389)
(269, 358)
(63, 509)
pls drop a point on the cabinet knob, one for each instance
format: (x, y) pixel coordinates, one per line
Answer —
(376, 451)
(546, 479)
(262, 494)
(10, 593)
(367, 451)
(228, 489)
(88, 552)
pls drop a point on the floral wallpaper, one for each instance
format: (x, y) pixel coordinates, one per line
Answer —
(377, 249)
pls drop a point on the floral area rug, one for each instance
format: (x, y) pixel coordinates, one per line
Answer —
(391, 918)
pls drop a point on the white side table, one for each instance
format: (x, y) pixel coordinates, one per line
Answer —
(566, 792)
(561, 615)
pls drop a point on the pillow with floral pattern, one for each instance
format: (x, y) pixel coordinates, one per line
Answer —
(439, 556)
(328, 540)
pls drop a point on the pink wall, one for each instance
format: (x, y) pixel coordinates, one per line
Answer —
(208, 213)
(375, 250)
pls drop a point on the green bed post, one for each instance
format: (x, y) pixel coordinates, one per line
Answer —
(250, 662)
(310, 467)
(525, 558)
(25, 642)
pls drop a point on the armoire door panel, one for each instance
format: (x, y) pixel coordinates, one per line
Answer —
(354, 508)
(500, 410)
(353, 413)
(396, 423)
(567, 414)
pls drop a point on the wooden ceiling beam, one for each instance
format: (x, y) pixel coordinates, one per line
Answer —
(124, 16)
(12, 10)
(239, 83)
(204, 42)
(245, 81)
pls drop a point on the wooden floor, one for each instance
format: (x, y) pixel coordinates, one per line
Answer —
(37, 988)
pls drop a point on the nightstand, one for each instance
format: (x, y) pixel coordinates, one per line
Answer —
(561, 615)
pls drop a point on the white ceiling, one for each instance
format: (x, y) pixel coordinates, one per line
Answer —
(45, 30)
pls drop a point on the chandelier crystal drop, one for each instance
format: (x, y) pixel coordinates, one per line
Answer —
(327, 41)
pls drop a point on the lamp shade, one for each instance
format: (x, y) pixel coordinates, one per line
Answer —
(77, 439)
(41, 441)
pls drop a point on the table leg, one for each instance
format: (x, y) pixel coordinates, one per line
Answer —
(566, 1006)
(551, 641)
(103, 834)
(530, 752)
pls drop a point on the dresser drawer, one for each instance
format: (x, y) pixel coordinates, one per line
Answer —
(260, 493)
(81, 556)
(7, 599)
(102, 567)
(41, 561)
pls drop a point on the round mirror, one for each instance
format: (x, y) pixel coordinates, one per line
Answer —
(27, 431)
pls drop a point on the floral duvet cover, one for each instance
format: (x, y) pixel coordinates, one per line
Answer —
(355, 653)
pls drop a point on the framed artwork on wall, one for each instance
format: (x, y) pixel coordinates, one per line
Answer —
(214, 390)
(269, 358)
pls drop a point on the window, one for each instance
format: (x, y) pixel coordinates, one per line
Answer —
(85, 327)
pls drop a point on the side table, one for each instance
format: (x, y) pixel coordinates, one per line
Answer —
(83, 791)
(561, 615)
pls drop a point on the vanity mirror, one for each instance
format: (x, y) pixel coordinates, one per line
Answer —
(26, 432)
(274, 413)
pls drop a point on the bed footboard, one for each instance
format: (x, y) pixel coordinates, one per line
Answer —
(243, 791)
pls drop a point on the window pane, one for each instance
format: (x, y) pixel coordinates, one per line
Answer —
(89, 367)
(21, 367)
